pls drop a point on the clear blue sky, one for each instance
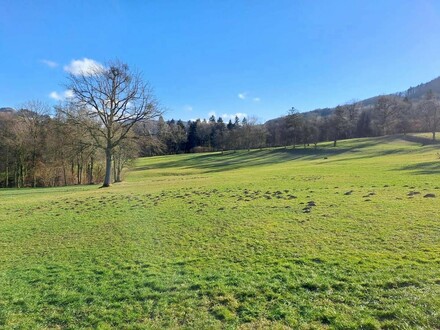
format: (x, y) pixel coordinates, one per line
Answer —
(254, 57)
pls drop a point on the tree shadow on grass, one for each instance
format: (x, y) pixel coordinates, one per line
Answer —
(230, 160)
(420, 139)
(423, 168)
(419, 145)
(218, 162)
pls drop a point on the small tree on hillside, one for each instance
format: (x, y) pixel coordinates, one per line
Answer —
(385, 111)
(351, 115)
(363, 126)
(109, 100)
(403, 120)
(431, 110)
(338, 123)
(294, 121)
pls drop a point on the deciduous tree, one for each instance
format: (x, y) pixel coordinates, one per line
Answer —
(112, 99)
(430, 108)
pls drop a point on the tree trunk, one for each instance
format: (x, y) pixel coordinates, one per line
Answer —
(79, 172)
(91, 171)
(119, 169)
(118, 173)
(64, 174)
(7, 170)
(34, 165)
(72, 170)
(22, 178)
(108, 167)
(16, 176)
(115, 169)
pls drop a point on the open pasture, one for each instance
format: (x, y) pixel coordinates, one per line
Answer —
(332, 238)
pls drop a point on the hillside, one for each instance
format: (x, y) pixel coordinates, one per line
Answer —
(340, 238)
(7, 109)
(413, 93)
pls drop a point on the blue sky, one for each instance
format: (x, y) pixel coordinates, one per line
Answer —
(258, 58)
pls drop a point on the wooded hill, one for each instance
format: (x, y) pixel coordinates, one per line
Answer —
(37, 149)
(413, 93)
(414, 110)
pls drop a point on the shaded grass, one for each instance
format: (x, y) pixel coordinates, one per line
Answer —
(328, 238)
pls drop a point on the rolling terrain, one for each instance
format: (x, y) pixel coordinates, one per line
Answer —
(327, 238)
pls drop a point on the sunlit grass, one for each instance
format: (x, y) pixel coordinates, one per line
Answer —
(276, 238)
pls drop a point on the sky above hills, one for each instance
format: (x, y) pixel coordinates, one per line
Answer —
(257, 58)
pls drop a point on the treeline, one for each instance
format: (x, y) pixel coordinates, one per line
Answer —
(389, 115)
(171, 137)
(42, 150)
(38, 149)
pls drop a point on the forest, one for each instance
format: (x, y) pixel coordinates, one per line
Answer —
(42, 146)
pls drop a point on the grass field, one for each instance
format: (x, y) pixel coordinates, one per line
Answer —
(338, 238)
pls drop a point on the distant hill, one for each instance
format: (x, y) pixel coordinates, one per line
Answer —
(416, 93)
(413, 93)
(7, 109)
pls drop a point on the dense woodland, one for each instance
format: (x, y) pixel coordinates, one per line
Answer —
(41, 147)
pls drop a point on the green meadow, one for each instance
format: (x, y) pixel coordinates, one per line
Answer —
(326, 238)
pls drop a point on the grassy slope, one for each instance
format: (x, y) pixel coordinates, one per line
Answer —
(219, 241)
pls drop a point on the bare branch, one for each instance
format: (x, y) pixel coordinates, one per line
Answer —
(111, 101)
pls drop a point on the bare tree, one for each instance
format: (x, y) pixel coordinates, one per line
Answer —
(32, 119)
(351, 114)
(253, 134)
(314, 122)
(109, 100)
(338, 123)
(7, 145)
(386, 111)
(403, 121)
(123, 154)
(431, 110)
(294, 122)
